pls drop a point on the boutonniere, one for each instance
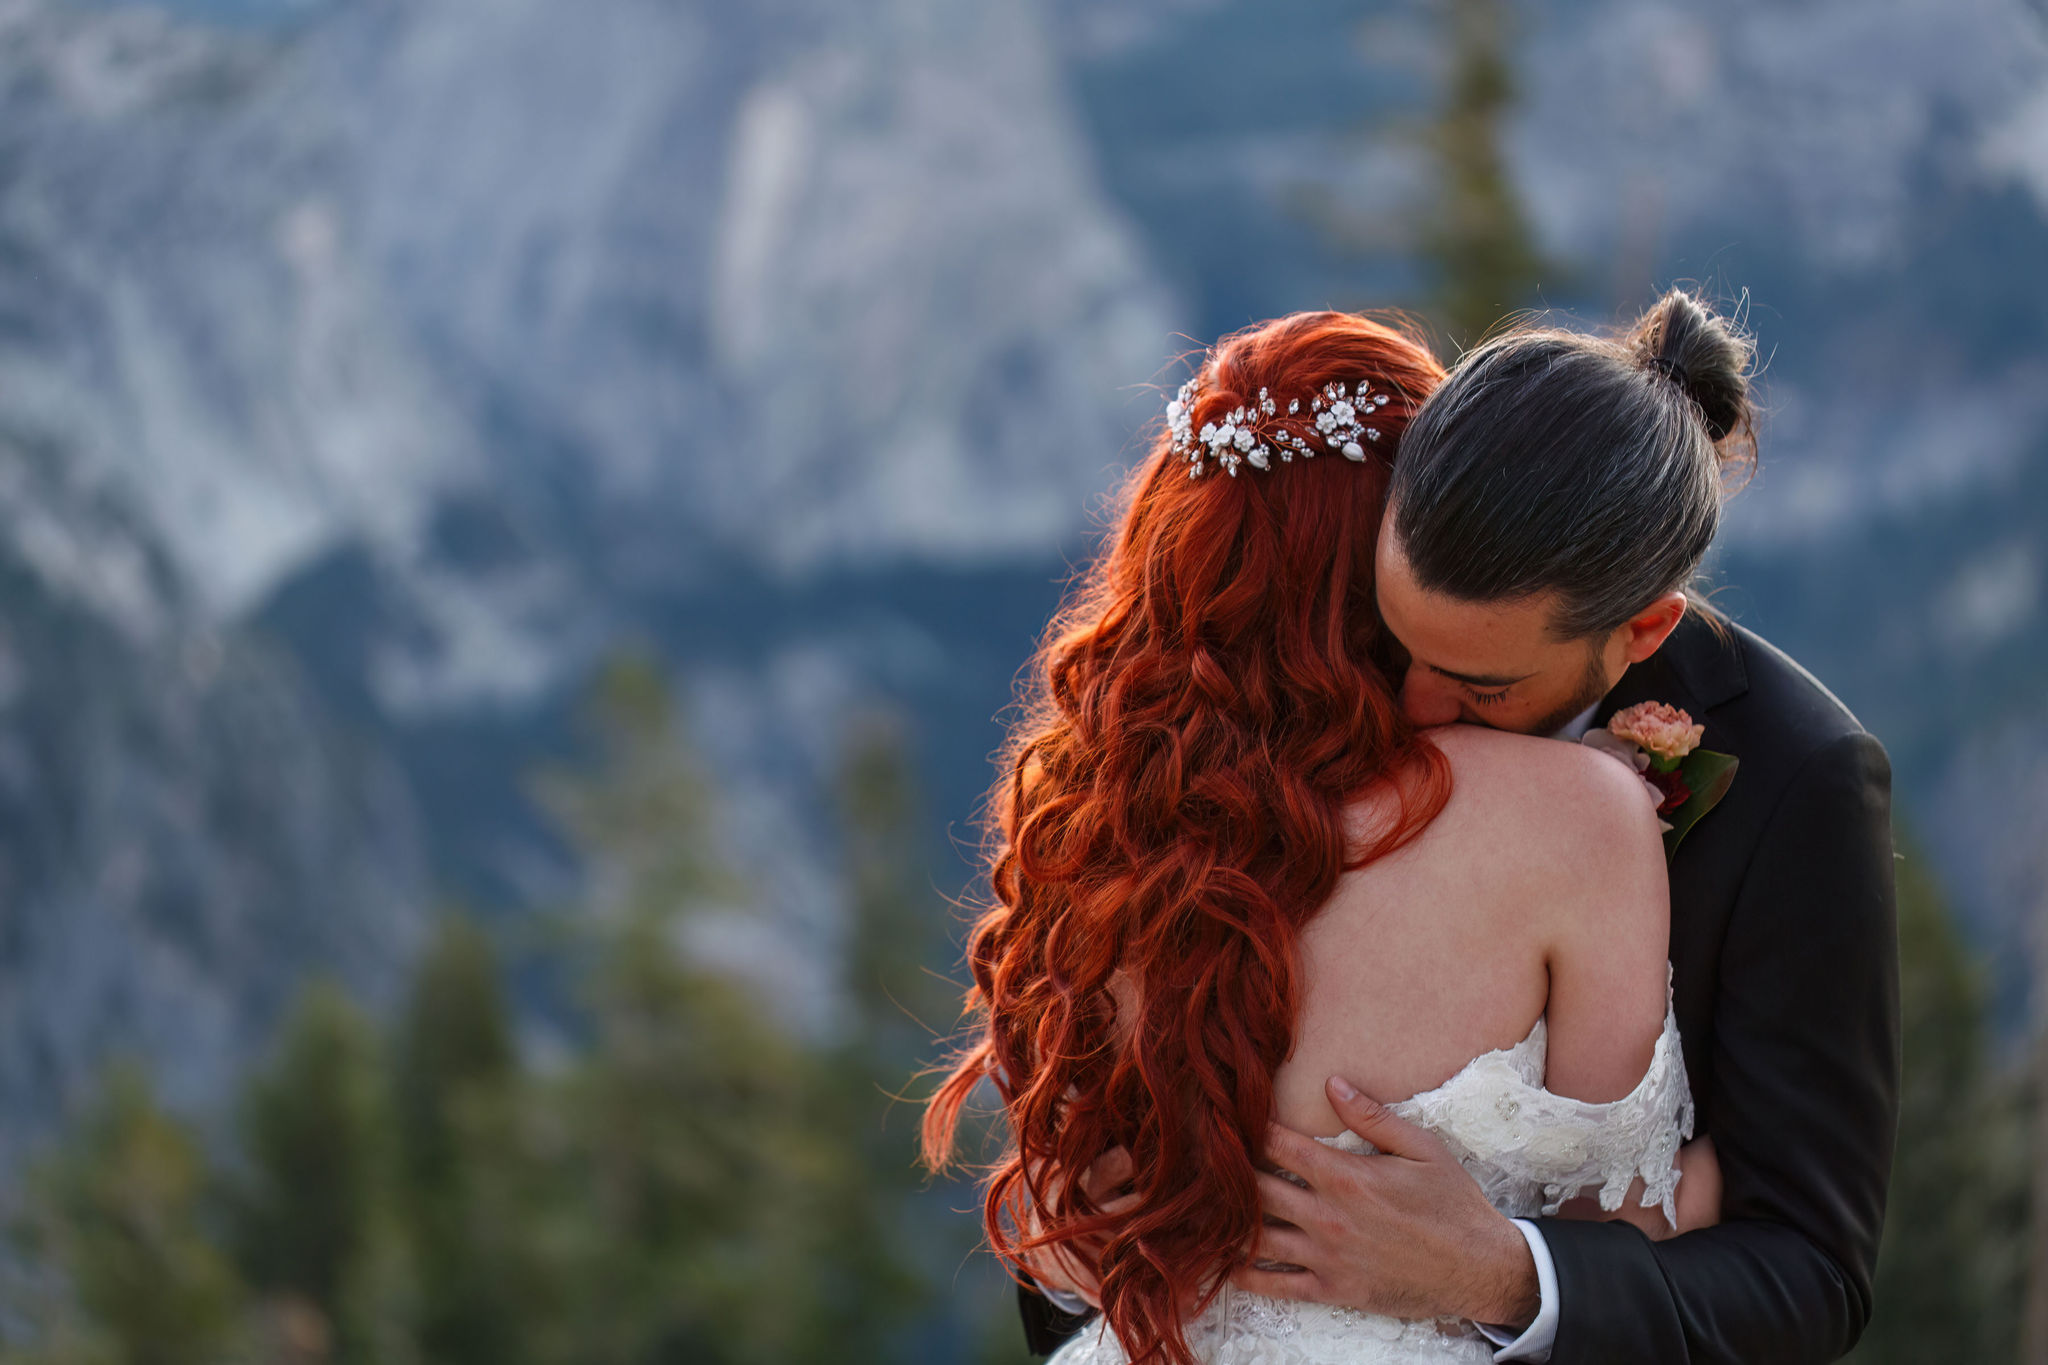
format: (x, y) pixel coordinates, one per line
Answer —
(1662, 745)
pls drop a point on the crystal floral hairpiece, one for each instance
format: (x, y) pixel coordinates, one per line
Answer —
(1340, 413)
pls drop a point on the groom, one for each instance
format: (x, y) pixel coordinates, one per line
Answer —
(1783, 950)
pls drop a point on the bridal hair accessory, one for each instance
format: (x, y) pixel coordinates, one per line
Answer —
(1250, 435)
(1661, 745)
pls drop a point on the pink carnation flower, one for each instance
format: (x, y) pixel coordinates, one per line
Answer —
(1664, 730)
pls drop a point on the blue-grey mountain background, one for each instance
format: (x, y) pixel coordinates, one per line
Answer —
(373, 370)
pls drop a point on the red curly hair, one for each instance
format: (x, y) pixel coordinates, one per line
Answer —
(1199, 715)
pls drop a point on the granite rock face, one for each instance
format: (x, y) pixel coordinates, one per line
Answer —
(372, 369)
(185, 829)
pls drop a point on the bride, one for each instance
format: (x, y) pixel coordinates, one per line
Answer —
(1225, 870)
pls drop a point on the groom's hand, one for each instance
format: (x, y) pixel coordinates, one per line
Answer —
(1056, 1268)
(1405, 1232)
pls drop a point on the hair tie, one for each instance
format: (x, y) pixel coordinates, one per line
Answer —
(1671, 370)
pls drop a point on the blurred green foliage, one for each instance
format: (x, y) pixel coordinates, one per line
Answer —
(1474, 238)
(304, 1210)
(135, 1273)
(1951, 1275)
(685, 1178)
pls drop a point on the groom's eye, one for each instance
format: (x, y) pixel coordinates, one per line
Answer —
(1488, 698)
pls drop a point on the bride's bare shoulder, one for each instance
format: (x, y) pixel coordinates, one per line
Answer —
(1528, 794)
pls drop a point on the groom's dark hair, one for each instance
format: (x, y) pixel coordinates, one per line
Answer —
(1554, 461)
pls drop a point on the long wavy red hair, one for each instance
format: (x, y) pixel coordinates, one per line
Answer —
(1199, 715)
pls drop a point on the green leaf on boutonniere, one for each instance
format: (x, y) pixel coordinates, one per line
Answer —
(1708, 775)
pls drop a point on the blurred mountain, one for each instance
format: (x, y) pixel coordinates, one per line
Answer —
(425, 353)
(369, 369)
(1865, 183)
(185, 829)
(1875, 176)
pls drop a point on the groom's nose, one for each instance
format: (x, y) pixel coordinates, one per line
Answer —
(1429, 700)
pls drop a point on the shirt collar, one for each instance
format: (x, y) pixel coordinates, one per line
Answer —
(1575, 728)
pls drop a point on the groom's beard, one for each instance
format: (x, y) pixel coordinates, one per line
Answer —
(1593, 686)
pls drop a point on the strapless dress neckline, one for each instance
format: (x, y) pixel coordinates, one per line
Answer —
(1528, 1148)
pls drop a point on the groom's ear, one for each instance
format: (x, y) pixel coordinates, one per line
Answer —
(1645, 632)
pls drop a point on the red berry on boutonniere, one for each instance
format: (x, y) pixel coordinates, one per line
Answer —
(1672, 786)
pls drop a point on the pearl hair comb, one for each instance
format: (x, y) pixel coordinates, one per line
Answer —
(1248, 436)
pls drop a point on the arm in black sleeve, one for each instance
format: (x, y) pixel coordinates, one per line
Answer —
(1046, 1326)
(1804, 1111)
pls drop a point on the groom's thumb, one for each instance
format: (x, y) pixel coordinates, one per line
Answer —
(1377, 1124)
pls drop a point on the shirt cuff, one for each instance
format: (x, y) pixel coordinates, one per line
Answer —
(1536, 1340)
(1073, 1304)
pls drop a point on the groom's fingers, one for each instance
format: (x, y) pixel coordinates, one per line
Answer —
(1279, 1284)
(1380, 1126)
(1058, 1268)
(1284, 1199)
(1118, 1206)
(1111, 1171)
(1298, 1152)
(1276, 1247)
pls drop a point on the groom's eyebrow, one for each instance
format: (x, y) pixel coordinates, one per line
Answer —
(1479, 679)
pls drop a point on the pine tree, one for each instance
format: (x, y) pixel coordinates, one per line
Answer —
(896, 929)
(684, 1136)
(2034, 1310)
(1467, 233)
(720, 1154)
(309, 1206)
(1475, 240)
(119, 1216)
(456, 1097)
(691, 1180)
(897, 925)
(454, 1040)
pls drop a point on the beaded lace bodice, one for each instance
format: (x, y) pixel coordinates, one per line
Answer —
(1529, 1149)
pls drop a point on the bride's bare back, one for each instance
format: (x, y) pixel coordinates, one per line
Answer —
(1539, 891)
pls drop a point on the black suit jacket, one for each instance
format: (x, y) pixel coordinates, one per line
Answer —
(1784, 954)
(1784, 950)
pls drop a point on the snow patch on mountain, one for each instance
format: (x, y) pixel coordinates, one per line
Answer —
(808, 285)
(202, 335)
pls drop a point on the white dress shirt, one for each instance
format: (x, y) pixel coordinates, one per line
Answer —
(1577, 727)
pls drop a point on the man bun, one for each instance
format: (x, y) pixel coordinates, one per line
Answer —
(1686, 342)
(1587, 467)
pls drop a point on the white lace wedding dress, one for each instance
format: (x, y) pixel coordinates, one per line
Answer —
(1529, 1149)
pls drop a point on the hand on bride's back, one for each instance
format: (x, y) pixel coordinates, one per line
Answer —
(1061, 1269)
(1699, 1185)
